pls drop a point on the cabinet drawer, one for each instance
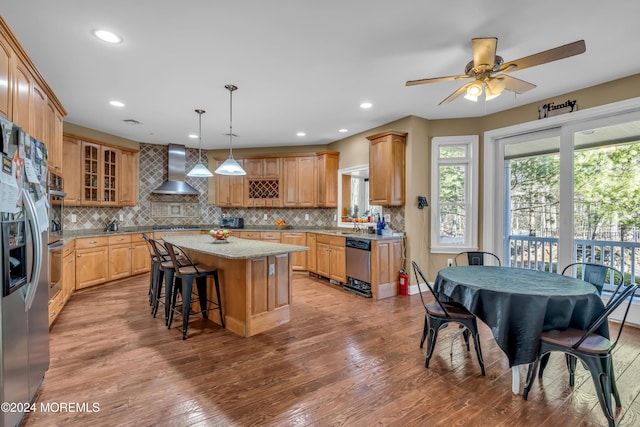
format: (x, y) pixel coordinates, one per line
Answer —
(119, 239)
(331, 240)
(254, 235)
(91, 242)
(137, 238)
(270, 235)
(68, 248)
(294, 235)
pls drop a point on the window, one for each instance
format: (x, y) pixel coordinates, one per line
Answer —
(354, 196)
(454, 190)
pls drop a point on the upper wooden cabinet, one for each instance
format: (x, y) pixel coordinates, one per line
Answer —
(267, 168)
(72, 149)
(6, 66)
(26, 99)
(387, 168)
(229, 189)
(99, 175)
(128, 182)
(298, 181)
(327, 183)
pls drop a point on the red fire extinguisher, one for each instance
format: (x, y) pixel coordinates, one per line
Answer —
(404, 283)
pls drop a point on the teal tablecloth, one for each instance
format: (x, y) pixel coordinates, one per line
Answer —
(519, 304)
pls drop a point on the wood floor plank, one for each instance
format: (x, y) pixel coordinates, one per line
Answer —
(342, 360)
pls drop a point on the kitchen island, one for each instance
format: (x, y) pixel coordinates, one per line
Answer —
(255, 279)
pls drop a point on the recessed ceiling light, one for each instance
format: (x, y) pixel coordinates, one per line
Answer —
(107, 36)
(366, 105)
(193, 135)
(116, 103)
(588, 132)
(343, 130)
(301, 134)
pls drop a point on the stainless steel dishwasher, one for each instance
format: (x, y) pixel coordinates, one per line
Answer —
(358, 266)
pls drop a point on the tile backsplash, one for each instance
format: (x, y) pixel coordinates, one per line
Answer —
(153, 172)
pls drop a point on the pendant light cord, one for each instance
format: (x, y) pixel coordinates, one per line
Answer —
(200, 112)
(231, 88)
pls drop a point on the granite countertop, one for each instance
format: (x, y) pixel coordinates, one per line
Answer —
(345, 232)
(233, 248)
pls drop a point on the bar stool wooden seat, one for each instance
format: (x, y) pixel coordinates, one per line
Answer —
(188, 271)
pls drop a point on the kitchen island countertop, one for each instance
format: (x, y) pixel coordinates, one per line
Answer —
(233, 248)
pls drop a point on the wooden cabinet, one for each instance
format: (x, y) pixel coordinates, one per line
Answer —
(6, 67)
(269, 284)
(53, 138)
(72, 150)
(68, 270)
(298, 259)
(92, 261)
(299, 181)
(252, 235)
(21, 95)
(270, 236)
(229, 189)
(119, 256)
(55, 306)
(128, 179)
(267, 168)
(312, 253)
(386, 262)
(140, 256)
(331, 257)
(327, 182)
(387, 168)
(37, 113)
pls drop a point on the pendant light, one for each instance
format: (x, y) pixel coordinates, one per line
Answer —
(200, 170)
(230, 166)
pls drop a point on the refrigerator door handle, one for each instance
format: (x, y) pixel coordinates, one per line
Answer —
(37, 252)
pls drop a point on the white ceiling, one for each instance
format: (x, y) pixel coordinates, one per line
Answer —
(302, 65)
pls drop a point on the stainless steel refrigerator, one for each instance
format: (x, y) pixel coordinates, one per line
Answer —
(24, 269)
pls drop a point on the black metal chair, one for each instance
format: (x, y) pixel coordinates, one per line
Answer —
(596, 274)
(592, 349)
(154, 268)
(164, 273)
(187, 271)
(476, 258)
(439, 314)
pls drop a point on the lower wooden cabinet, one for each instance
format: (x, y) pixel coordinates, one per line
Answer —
(92, 266)
(312, 265)
(387, 259)
(68, 270)
(331, 257)
(269, 283)
(298, 259)
(140, 256)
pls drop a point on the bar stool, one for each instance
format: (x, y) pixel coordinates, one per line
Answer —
(186, 270)
(165, 273)
(153, 274)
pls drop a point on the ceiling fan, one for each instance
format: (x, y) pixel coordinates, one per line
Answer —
(486, 63)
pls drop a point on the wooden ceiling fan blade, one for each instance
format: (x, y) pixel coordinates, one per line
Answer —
(560, 52)
(515, 85)
(434, 80)
(462, 89)
(484, 52)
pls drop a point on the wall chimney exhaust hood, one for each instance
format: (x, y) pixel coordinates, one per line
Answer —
(175, 184)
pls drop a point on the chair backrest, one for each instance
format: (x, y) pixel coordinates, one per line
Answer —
(475, 258)
(180, 258)
(596, 274)
(420, 276)
(622, 293)
(159, 250)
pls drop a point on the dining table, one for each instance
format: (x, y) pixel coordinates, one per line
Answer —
(519, 304)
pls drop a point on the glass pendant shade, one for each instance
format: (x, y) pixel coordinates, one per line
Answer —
(200, 170)
(230, 166)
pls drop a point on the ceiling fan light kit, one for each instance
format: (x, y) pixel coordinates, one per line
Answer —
(230, 166)
(485, 63)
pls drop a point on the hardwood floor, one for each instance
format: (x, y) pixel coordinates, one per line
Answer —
(342, 360)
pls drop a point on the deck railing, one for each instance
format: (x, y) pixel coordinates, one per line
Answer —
(541, 253)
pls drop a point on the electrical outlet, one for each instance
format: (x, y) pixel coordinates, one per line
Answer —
(265, 217)
(306, 217)
(387, 218)
(73, 218)
(121, 217)
(335, 217)
(450, 262)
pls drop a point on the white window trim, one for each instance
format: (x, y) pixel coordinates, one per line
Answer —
(471, 189)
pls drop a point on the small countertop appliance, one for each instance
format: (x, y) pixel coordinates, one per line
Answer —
(231, 222)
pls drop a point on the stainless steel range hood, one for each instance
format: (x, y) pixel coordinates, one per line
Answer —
(175, 184)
